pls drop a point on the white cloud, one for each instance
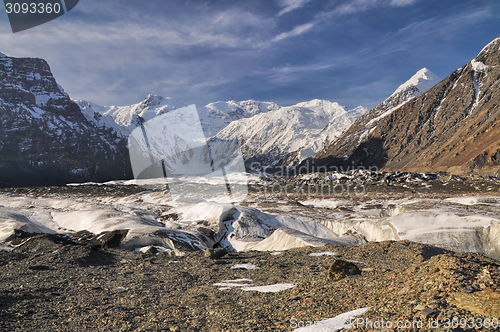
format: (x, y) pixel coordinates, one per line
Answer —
(450, 25)
(285, 74)
(298, 30)
(349, 7)
(355, 6)
(289, 5)
(113, 60)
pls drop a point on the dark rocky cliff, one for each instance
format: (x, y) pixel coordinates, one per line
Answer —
(44, 137)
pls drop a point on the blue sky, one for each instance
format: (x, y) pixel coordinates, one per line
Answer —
(355, 52)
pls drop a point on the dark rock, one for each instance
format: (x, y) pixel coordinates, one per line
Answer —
(428, 311)
(152, 251)
(95, 257)
(34, 242)
(341, 269)
(110, 239)
(215, 253)
(39, 267)
(170, 216)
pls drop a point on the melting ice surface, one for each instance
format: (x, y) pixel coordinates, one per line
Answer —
(461, 224)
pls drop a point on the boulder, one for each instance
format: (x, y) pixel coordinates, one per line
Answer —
(341, 269)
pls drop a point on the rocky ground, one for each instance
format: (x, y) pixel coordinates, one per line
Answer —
(53, 284)
(81, 282)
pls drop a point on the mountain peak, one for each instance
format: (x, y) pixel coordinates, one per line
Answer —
(152, 100)
(320, 103)
(423, 80)
(488, 47)
(2, 55)
(450, 128)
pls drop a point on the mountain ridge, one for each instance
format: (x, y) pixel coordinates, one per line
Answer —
(232, 120)
(451, 127)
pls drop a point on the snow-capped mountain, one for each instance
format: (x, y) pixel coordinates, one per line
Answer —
(450, 127)
(289, 134)
(44, 137)
(268, 133)
(417, 84)
(214, 116)
(422, 81)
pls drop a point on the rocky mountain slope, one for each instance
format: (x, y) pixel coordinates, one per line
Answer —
(44, 137)
(451, 127)
(289, 134)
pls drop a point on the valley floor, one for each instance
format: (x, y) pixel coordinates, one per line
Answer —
(54, 287)
(421, 245)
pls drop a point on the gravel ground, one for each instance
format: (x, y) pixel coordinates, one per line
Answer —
(51, 286)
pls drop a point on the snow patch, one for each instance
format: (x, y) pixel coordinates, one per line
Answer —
(268, 288)
(324, 253)
(478, 66)
(246, 266)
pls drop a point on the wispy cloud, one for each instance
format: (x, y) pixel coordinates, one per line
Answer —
(113, 60)
(449, 25)
(355, 6)
(286, 74)
(118, 51)
(348, 7)
(298, 30)
(289, 5)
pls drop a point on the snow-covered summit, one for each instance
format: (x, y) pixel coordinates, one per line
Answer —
(124, 119)
(423, 80)
(213, 117)
(321, 107)
(289, 134)
(251, 106)
(264, 128)
(489, 47)
(2, 55)
(216, 116)
(147, 109)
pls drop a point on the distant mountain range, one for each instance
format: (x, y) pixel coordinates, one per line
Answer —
(425, 125)
(453, 126)
(287, 135)
(214, 117)
(268, 134)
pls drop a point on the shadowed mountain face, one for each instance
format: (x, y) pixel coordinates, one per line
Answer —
(454, 126)
(44, 137)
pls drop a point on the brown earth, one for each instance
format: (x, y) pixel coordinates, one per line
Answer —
(51, 286)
